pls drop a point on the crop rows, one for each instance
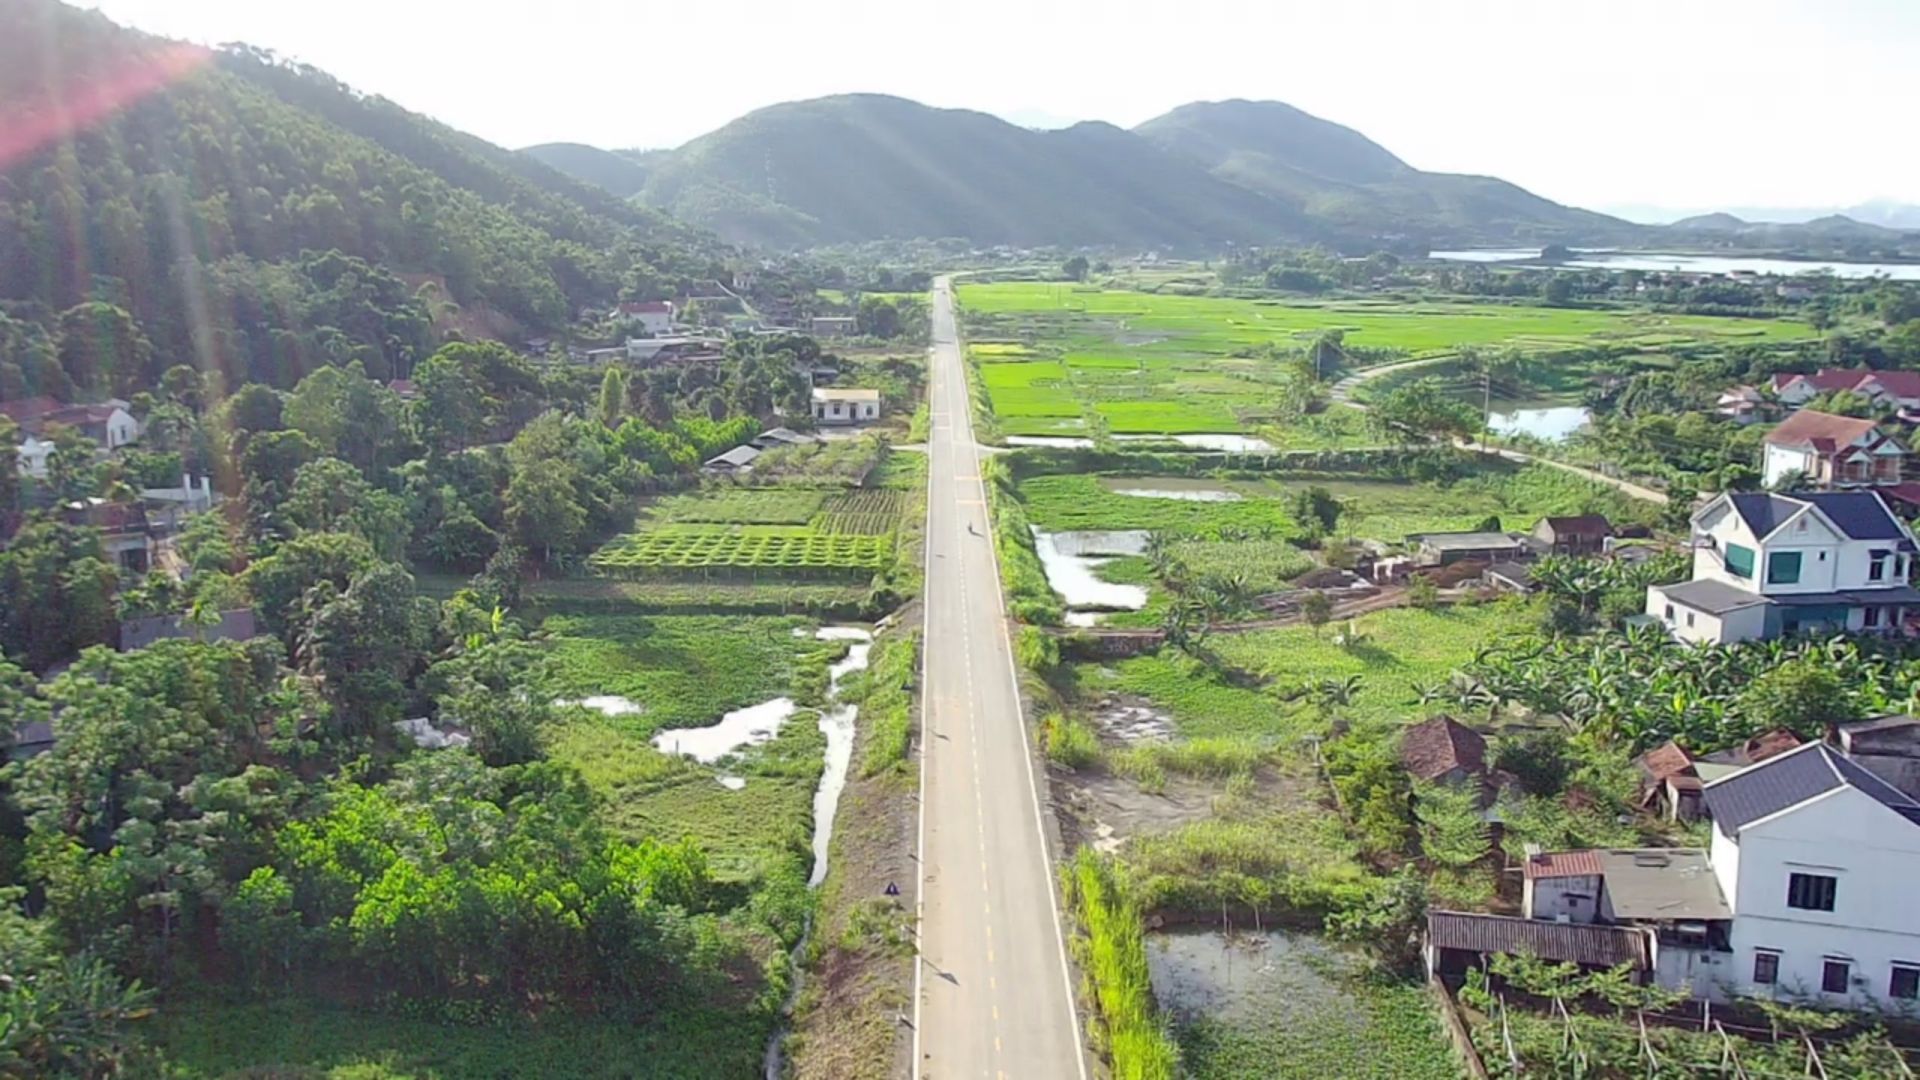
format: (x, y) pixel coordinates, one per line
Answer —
(773, 506)
(864, 512)
(678, 551)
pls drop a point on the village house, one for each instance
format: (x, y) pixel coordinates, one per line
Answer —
(108, 423)
(831, 326)
(1583, 534)
(1890, 390)
(33, 453)
(653, 318)
(1831, 451)
(1671, 779)
(1819, 861)
(845, 405)
(125, 535)
(1741, 404)
(1447, 548)
(1765, 565)
(1886, 746)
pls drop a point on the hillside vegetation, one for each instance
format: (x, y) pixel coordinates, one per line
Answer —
(262, 219)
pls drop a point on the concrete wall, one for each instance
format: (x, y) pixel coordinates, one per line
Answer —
(1576, 898)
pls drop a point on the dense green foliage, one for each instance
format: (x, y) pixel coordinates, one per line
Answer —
(261, 220)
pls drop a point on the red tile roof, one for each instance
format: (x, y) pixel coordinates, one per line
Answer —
(1824, 431)
(646, 307)
(27, 410)
(1903, 384)
(1435, 747)
(1553, 864)
(1663, 761)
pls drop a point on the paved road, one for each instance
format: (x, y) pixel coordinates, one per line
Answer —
(992, 996)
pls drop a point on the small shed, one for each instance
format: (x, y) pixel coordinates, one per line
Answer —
(1443, 750)
(1580, 534)
(1459, 940)
(738, 459)
(1561, 885)
(1446, 548)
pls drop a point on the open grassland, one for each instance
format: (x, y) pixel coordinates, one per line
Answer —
(214, 1040)
(1171, 324)
(1387, 510)
(1394, 652)
(1065, 360)
(682, 670)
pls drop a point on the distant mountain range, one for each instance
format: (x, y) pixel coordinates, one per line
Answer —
(1888, 213)
(866, 166)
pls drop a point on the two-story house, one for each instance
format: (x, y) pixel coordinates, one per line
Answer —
(1891, 390)
(1766, 565)
(652, 317)
(1831, 451)
(1819, 861)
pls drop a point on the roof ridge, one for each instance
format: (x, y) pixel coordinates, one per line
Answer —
(1764, 762)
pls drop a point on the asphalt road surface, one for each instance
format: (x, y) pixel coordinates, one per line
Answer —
(992, 996)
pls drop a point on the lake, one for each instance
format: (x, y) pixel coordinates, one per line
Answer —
(1692, 264)
(1553, 423)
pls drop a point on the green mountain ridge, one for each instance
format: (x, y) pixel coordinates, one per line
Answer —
(859, 167)
(608, 169)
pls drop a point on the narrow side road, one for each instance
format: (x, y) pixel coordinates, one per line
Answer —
(992, 989)
(1342, 393)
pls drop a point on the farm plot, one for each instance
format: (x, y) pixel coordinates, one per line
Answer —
(867, 512)
(741, 549)
(763, 506)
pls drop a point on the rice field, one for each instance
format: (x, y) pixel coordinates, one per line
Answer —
(1054, 357)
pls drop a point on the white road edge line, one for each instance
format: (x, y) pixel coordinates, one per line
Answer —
(1013, 676)
(926, 725)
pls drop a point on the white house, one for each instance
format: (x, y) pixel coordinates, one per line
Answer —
(33, 454)
(1741, 404)
(1831, 451)
(653, 317)
(845, 405)
(1819, 861)
(1766, 565)
(1888, 389)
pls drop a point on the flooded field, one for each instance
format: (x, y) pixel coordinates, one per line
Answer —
(1072, 561)
(1172, 487)
(1277, 1004)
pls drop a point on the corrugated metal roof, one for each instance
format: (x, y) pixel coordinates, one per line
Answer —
(1791, 779)
(1581, 943)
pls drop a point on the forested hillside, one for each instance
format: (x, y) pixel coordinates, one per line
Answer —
(160, 204)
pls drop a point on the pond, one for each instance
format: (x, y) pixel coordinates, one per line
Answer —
(1692, 264)
(1072, 561)
(1284, 1005)
(1552, 423)
(1171, 487)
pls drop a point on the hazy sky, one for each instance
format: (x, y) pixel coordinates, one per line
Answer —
(1685, 104)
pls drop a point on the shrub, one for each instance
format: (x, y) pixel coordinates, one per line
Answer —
(1036, 650)
(1112, 951)
(1069, 742)
(885, 696)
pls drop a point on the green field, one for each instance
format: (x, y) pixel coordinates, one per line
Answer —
(220, 1040)
(683, 670)
(1056, 359)
(1397, 650)
(779, 532)
(1387, 510)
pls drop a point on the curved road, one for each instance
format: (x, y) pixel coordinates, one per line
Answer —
(1342, 392)
(993, 995)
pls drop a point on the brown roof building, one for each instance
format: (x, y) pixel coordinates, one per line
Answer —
(1442, 749)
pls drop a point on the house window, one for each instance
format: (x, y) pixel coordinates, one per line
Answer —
(1766, 967)
(1783, 568)
(1905, 983)
(1811, 892)
(1877, 569)
(1669, 612)
(1689, 618)
(1833, 976)
(1872, 617)
(1739, 561)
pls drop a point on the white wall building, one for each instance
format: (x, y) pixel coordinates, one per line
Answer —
(1819, 861)
(33, 455)
(845, 405)
(653, 317)
(1766, 565)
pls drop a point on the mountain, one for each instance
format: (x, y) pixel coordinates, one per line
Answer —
(1710, 223)
(1343, 179)
(260, 218)
(866, 166)
(616, 172)
(863, 167)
